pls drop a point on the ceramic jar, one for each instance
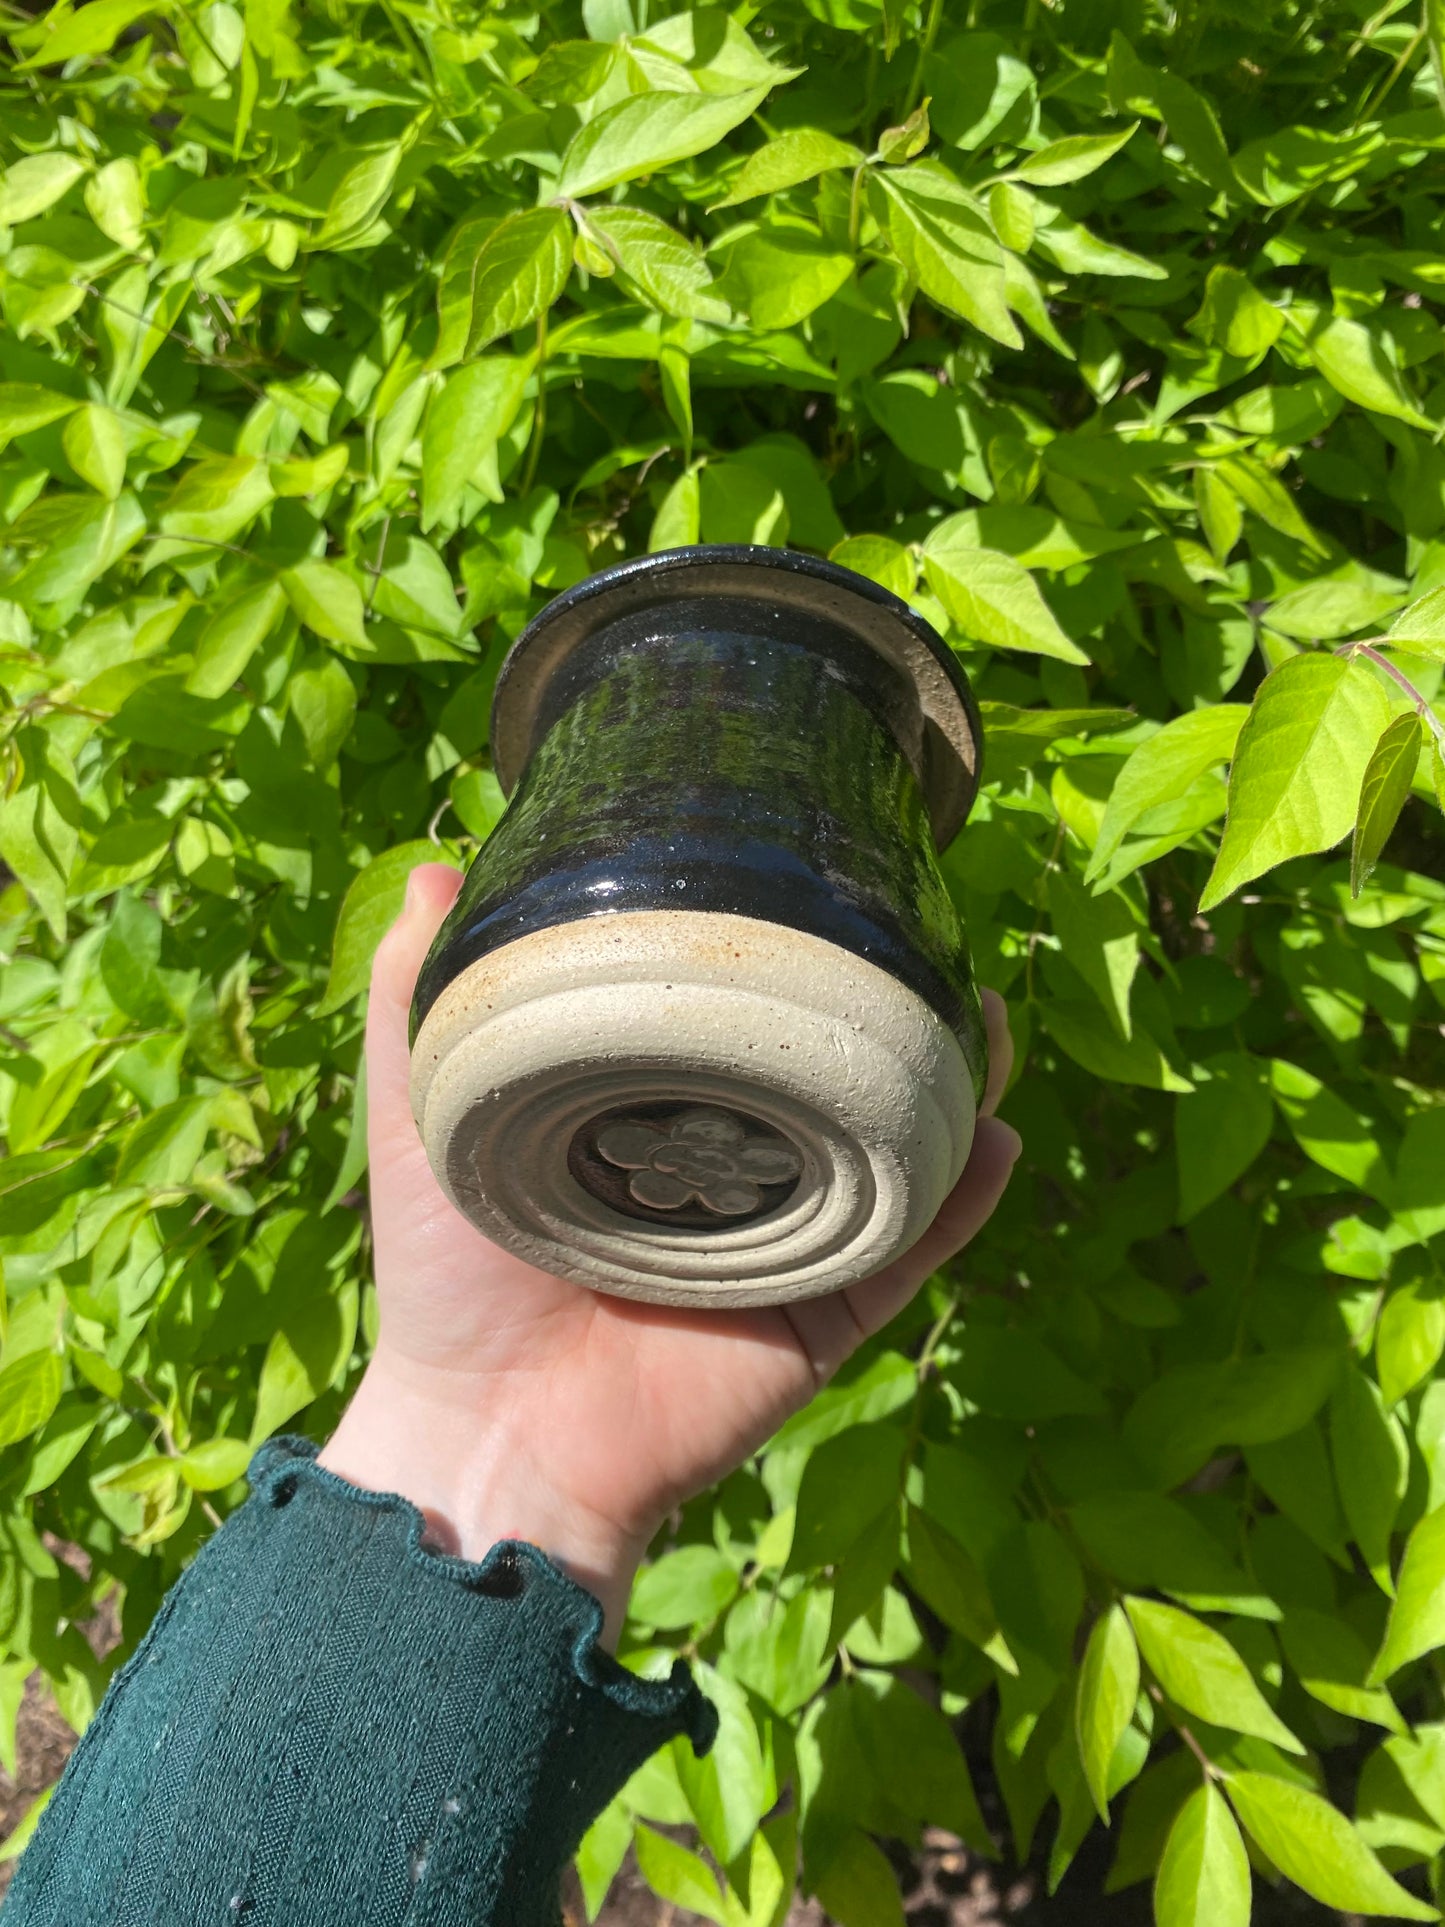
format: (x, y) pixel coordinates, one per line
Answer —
(701, 1027)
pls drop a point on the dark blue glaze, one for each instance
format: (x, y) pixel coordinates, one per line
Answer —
(703, 754)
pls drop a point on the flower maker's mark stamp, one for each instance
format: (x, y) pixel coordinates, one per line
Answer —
(690, 1168)
(705, 1154)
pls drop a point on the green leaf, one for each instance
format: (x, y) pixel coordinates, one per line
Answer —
(39, 822)
(1419, 630)
(115, 201)
(1236, 317)
(415, 588)
(65, 1434)
(232, 636)
(781, 1652)
(1070, 159)
(1372, 1467)
(907, 140)
(1294, 784)
(948, 247)
(1012, 211)
(847, 1481)
(782, 273)
(352, 1168)
(1014, 1374)
(1323, 611)
(1384, 789)
(857, 1884)
(1416, 1196)
(1417, 1617)
(304, 1358)
(20, 1835)
(1202, 1673)
(1409, 1338)
(1221, 1128)
(34, 183)
(1100, 936)
(92, 29)
(678, 522)
(1076, 1029)
(647, 132)
(25, 405)
(979, 86)
(796, 156)
(214, 1464)
(1187, 1413)
(517, 273)
(1104, 1704)
(678, 1875)
(466, 420)
(918, 1760)
(728, 1789)
(370, 907)
(601, 1853)
(1203, 1878)
(94, 444)
(1264, 495)
(666, 269)
(993, 599)
(216, 498)
(1146, 1539)
(683, 1588)
(1327, 1130)
(1314, 1845)
(323, 701)
(359, 196)
(949, 1582)
(1072, 247)
(30, 1389)
(737, 503)
(882, 560)
(328, 602)
(1355, 360)
(1221, 514)
(1331, 1662)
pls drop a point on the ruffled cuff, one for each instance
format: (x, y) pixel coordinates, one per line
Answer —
(330, 1723)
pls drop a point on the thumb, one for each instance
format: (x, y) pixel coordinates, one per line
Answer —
(431, 890)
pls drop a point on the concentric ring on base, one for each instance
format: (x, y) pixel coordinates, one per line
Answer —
(698, 1009)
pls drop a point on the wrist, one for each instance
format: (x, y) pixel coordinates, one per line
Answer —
(451, 1444)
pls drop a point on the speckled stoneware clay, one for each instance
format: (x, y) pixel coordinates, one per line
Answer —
(701, 1027)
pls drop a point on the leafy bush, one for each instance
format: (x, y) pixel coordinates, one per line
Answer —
(340, 339)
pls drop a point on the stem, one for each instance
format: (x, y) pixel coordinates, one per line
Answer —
(1422, 709)
(1188, 1738)
(171, 1451)
(1371, 103)
(925, 47)
(855, 205)
(539, 419)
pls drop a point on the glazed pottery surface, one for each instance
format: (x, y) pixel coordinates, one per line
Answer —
(701, 1026)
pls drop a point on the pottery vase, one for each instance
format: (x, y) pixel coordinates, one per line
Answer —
(701, 1027)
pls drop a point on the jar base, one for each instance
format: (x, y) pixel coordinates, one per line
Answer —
(691, 1107)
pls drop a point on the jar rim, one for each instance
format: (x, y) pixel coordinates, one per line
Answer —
(789, 579)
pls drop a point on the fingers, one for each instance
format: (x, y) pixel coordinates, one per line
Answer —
(430, 892)
(830, 1329)
(1000, 1051)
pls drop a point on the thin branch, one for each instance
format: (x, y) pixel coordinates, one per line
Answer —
(1422, 709)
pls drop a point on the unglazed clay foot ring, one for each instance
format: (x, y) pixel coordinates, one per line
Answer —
(692, 1108)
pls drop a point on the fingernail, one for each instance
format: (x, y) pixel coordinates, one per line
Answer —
(410, 900)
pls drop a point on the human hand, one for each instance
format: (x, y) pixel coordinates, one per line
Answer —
(509, 1404)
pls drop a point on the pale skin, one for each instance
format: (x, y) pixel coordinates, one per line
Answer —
(509, 1404)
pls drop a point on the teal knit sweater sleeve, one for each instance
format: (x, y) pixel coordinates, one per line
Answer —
(329, 1725)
